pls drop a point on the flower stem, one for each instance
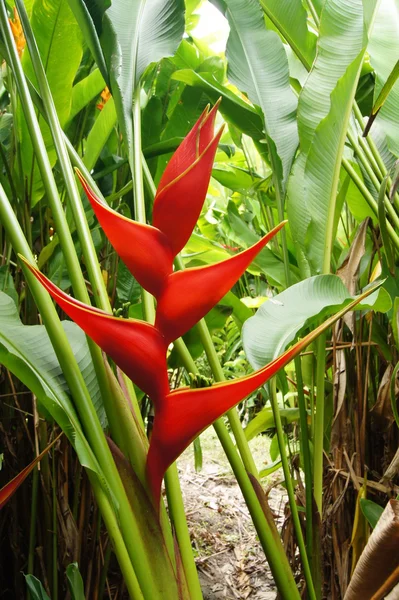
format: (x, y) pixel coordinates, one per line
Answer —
(291, 492)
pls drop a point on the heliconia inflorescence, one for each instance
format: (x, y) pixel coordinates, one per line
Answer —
(183, 298)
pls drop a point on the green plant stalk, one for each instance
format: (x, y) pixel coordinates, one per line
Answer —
(47, 486)
(307, 464)
(54, 532)
(374, 179)
(291, 492)
(232, 415)
(175, 501)
(319, 423)
(33, 518)
(117, 541)
(268, 535)
(134, 545)
(369, 198)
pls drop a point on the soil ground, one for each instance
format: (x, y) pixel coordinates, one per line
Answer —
(229, 558)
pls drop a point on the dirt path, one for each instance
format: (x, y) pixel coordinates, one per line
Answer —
(230, 560)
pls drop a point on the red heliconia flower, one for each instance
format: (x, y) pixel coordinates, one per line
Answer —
(183, 298)
(148, 251)
(137, 347)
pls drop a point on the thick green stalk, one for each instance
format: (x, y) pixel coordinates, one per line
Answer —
(291, 492)
(232, 415)
(54, 588)
(117, 540)
(374, 151)
(307, 464)
(374, 179)
(33, 521)
(267, 533)
(319, 423)
(369, 198)
(87, 413)
(175, 501)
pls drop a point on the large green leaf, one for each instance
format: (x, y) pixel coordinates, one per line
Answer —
(280, 319)
(290, 18)
(258, 65)
(27, 352)
(383, 49)
(60, 44)
(324, 111)
(136, 33)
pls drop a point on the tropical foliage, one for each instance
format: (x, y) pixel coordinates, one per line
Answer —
(222, 222)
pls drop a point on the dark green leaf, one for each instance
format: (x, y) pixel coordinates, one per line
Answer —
(35, 588)
(75, 582)
(371, 511)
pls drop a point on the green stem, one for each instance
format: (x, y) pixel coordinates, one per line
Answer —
(232, 415)
(319, 422)
(374, 151)
(116, 539)
(374, 179)
(291, 492)
(33, 518)
(307, 464)
(369, 198)
(175, 501)
(54, 531)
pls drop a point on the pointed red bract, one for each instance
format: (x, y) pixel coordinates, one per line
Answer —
(137, 347)
(187, 412)
(145, 250)
(189, 295)
(11, 487)
(191, 147)
(178, 205)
